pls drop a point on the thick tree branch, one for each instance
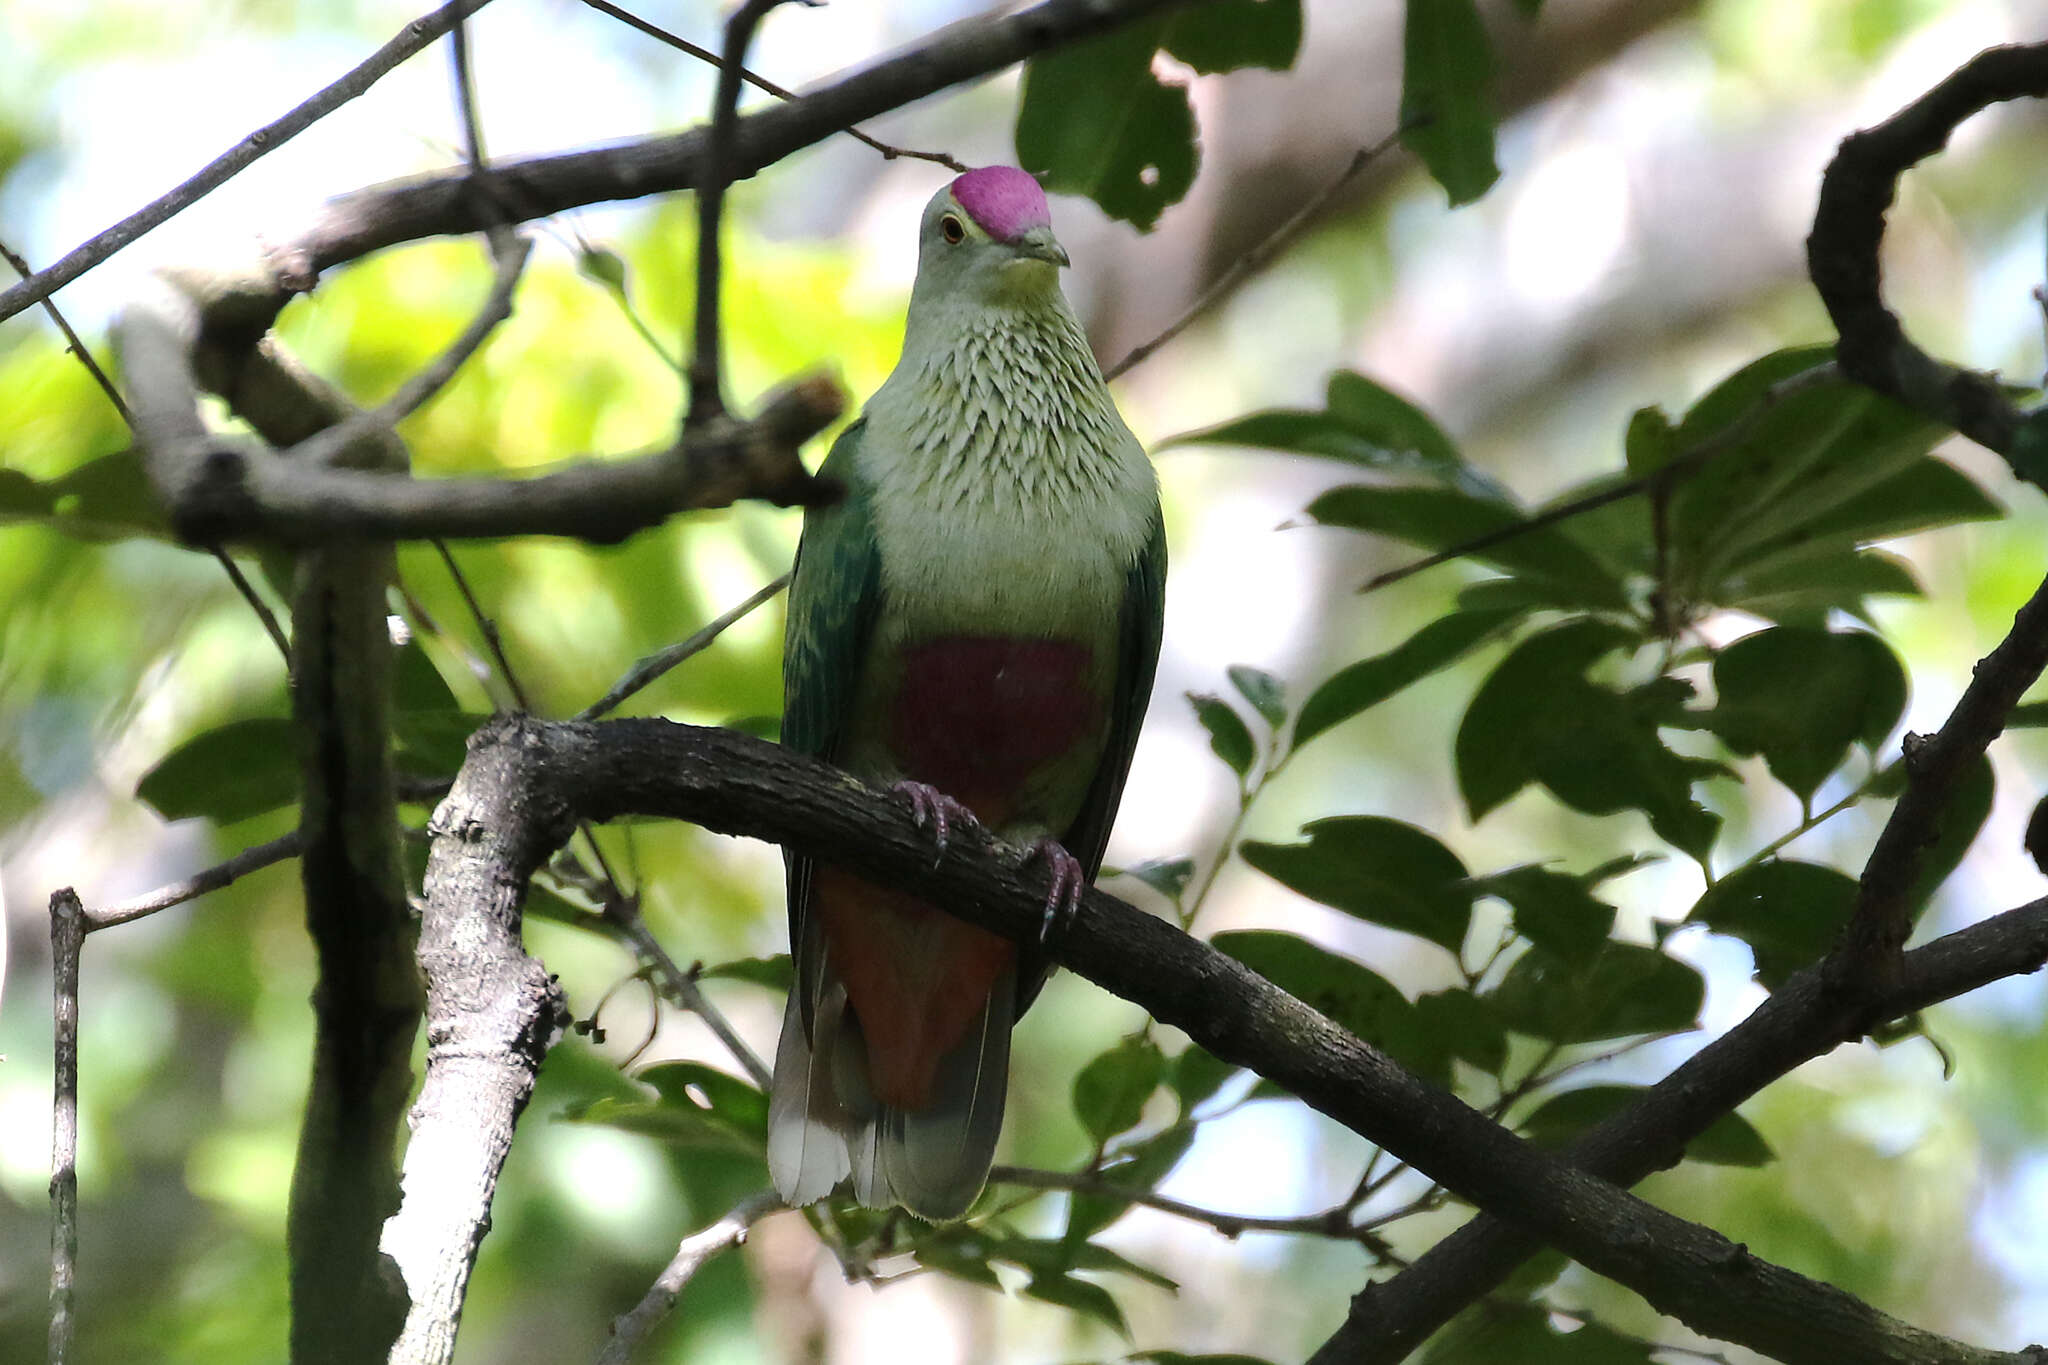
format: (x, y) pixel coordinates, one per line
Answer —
(544, 776)
(412, 38)
(1848, 230)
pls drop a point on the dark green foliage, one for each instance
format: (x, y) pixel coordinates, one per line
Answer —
(1365, 684)
(1228, 737)
(1377, 869)
(229, 773)
(1800, 696)
(1552, 910)
(1110, 1092)
(1788, 912)
(1491, 1333)
(1447, 96)
(1625, 989)
(1351, 994)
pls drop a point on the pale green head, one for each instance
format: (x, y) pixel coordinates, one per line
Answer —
(987, 238)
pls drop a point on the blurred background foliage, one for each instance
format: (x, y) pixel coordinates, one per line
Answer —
(1658, 164)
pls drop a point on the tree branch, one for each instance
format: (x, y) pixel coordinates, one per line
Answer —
(540, 777)
(411, 39)
(654, 665)
(198, 884)
(1836, 1000)
(67, 941)
(696, 1249)
(1848, 229)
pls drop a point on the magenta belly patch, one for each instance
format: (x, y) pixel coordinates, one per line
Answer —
(976, 715)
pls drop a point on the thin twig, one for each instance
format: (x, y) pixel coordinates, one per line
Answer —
(1259, 255)
(704, 54)
(78, 348)
(1681, 466)
(411, 39)
(707, 375)
(1334, 1223)
(679, 987)
(67, 941)
(487, 627)
(654, 665)
(696, 1249)
(198, 884)
(465, 96)
(509, 251)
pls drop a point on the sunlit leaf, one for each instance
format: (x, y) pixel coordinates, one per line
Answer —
(1380, 870)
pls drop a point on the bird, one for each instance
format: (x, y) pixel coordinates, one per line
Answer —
(974, 626)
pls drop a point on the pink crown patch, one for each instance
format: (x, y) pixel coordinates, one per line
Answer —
(1005, 201)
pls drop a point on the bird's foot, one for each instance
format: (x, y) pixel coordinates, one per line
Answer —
(935, 811)
(1069, 883)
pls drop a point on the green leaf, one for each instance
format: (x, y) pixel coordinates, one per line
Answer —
(1625, 990)
(1197, 1074)
(1379, 870)
(1350, 994)
(1730, 1140)
(108, 498)
(1447, 96)
(1137, 1168)
(770, 973)
(1552, 910)
(693, 1106)
(1229, 35)
(1359, 687)
(1969, 805)
(229, 773)
(1110, 1092)
(1089, 1300)
(1361, 423)
(1537, 718)
(434, 743)
(1168, 876)
(1818, 471)
(416, 684)
(1228, 736)
(1788, 912)
(1467, 1026)
(1443, 518)
(1266, 693)
(947, 1256)
(1493, 1333)
(1800, 696)
(1095, 121)
(1805, 590)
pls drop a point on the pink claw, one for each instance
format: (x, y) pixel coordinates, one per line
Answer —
(932, 809)
(1069, 881)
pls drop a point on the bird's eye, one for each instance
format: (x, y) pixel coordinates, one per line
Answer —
(952, 229)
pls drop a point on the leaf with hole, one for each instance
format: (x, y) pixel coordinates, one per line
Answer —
(1379, 870)
(1094, 120)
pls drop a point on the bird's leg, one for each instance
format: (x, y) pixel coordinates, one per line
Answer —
(932, 809)
(1069, 882)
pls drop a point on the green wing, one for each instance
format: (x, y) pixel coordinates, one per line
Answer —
(1140, 621)
(834, 595)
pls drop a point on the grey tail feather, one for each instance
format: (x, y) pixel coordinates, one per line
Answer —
(934, 1162)
(824, 1124)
